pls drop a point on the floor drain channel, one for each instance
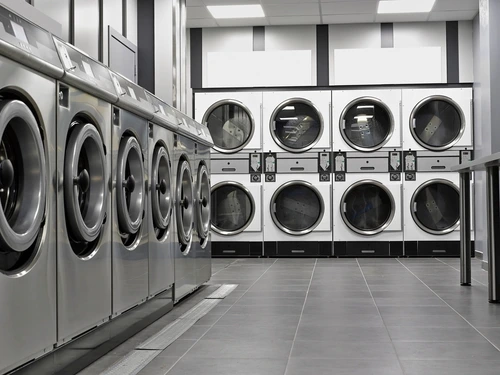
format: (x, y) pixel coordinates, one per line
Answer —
(136, 360)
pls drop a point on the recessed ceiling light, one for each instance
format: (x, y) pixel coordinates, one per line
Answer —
(236, 11)
(405, 6)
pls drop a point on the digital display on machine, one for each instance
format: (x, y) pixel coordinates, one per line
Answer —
(19, 32)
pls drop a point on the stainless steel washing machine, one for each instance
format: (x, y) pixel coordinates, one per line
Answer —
(161, 198)
(85, 94)
(130, 175)
(30, 65)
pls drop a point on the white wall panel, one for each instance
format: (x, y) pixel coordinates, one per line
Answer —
(428, 34)
(465, 51)
(112, 16)
(87, 26)
(132, 21)
(163, 49)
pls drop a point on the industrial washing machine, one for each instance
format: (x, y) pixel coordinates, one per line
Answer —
(85, 94)
(236, 205)
(161, 197)
(234, 120)
(297, 121)
(437, 119)
(27, 193)
(367, 120)
(130, 176)
(367, 205)
(297, 206)
(432, 204)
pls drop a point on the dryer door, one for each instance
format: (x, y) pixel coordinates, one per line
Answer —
(161, 194)
(203, 206)
(296, 125)
(367, 207)
(85, 188)
(297, 207)
(130, 189)
(231, 125)
(23, 179)
(232, 208)
(435, 206)
(185, 202)
(437, 123)
(366, 124)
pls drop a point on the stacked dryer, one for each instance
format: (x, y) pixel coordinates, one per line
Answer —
(368, 182)
(235, 124)
(437, 134)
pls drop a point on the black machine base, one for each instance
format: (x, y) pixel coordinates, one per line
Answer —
(433, 248)
(297, 249)
(368, 249)
(236, 249)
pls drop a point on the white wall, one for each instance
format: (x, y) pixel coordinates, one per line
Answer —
(112, 16)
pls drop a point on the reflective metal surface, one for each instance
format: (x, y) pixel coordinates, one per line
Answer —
(203, 202)
(185, 202)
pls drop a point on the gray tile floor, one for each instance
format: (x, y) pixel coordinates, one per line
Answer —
(334, 316)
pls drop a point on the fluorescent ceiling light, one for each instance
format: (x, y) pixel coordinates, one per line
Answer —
(236, 11)
(405, 6)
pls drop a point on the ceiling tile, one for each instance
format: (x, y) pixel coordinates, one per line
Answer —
(195, 23)
(453, 15)
(311, 9)
(198, 12)
(243, 22)
(348, 18)
(411, 17)
(349, 7)
(455, 5)
(295, 20)
(194, 3)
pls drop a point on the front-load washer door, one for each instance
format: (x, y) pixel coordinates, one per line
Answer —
(367, 207)
(297, 207)
(232, 208)
(85, 190)
(435, 206)
(161, 197)
(23, 179)
(366, 124)
(203, 202)
(185, 203)
(437, 123)
(231, 125)
(296, 125)
(130, 189)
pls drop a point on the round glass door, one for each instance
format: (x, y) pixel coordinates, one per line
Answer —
(130, 193)
(85, 192)
(437, 123)
(297, 207)
(203, 197)
(366, 124)
(23, 179)
(231, 125)
(185, 199)
(435, 207)
(161, 195)
(232, 208)
(367, 207)
(296, 125)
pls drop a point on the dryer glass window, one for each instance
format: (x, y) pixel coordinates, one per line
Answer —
(231, 126)
(367, 124)
(161, 196)
(296, 125)
(437, 123)
(367, 208)
(185, 199)
(232, 208)
(297, 208)
(436, 207)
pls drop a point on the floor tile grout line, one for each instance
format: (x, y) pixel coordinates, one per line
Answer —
(380, 314)
(451, 307)
(300, 317)
(449, 265)
(225, 267)
(196, 342)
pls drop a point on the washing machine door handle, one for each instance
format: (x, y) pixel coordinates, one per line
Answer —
(129, 183)
(6, 174)
(82, 181)
(162, 186)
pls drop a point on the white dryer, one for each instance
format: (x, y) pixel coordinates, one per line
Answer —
(367, 120)
(236, 208)
(27, 192)
(368, 209)
(130, 171)
(297, 121)
(437, 119)
(233, 118)
(84, 197)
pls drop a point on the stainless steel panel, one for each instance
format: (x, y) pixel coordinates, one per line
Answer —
(297, 165)
(368, 165)
(203, 248)
(58, 11)
(28, 312)
(230, 166)
(437, 164)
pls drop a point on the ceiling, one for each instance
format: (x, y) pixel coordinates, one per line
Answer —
(316, 12)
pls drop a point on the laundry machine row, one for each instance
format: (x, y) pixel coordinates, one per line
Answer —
(87, 186)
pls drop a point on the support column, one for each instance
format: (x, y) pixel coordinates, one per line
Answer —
(465, 230)
(493, 207)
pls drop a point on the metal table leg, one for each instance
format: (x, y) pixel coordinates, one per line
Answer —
(465, 229)
(493, 206)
